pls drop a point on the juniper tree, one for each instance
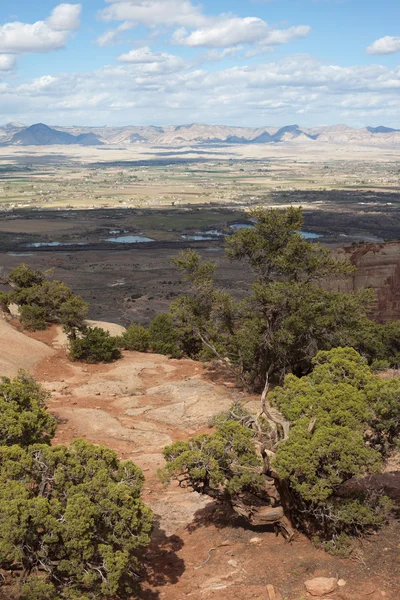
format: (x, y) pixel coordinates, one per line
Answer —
(23, 416)
(285, 317)
(74, 515)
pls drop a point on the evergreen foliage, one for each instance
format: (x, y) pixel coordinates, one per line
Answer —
(343, 420)
(74, 513)
(224, 463)
(41, 300)
(136, 338)
(286, 317)
(94, 345)
(23, 416)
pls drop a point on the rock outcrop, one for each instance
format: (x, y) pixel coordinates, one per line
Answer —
(377, 267)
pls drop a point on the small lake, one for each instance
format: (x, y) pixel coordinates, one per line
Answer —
(54, 244)
(129, 239)
(198, 238)
(307, 235)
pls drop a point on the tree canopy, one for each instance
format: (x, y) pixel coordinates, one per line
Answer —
(75, 514)
(342, 421)
(41, 300)
(285, 318)
(23, 416)
(72, 522)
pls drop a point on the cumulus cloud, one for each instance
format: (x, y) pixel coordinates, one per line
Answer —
(7, 62)
(385, 45)
(65, 17)
(42, 36)
(234, 31)
(276, 91)
(155, 12)
(152, 62)
(193, 27)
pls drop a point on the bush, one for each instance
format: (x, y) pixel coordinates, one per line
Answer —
(222, 464)
(74, 513)
(38, 589)
(41, 300)
(33, 317)
(164, 337)
(23, 416)
(94, 346)
(5, 301)
(25, 277)
(136, 338)
(336, 423)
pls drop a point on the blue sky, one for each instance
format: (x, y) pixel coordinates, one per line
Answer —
(265, 62)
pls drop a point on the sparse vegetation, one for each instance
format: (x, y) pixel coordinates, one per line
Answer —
(287, 317)
(23, 416)
(73, 525)
(330, 428)
(43, 301)
(94, 345)
(136, 338)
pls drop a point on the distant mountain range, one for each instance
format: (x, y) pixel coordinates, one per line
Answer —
(42, 135)
(17, 134)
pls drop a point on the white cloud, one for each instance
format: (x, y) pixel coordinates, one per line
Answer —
(7, 62)
(271, 93)
(65, 17)
(153, 62)
(42, 36)
(144, 55)
(385, 45)
(235, 30)
(193, 27)
(155, 12)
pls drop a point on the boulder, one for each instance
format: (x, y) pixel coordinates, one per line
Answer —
(321, 586)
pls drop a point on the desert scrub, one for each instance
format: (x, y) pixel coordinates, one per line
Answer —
(94, 345)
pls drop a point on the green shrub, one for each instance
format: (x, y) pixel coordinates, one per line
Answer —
(38, 588)
(33, 317)
(222, 464)
(164, 336)
(136, 338)
(41, 300)
(5, 301)
(166, 349)
(94, 346)
(23, 416)
(74, 513)
(25, 277)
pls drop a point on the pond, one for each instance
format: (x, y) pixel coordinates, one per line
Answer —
(129, 239)
(307, 235)
(54, 244)
(197, 238)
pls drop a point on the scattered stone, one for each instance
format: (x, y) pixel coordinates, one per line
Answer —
(272, 593)
(321, 586)
(255, 540)
(233, 563)
(226, 543)
(341, 583)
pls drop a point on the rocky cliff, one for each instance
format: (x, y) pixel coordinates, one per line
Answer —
(377, 267)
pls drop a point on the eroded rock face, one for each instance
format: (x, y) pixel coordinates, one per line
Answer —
(378, 267)
(321, 586)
